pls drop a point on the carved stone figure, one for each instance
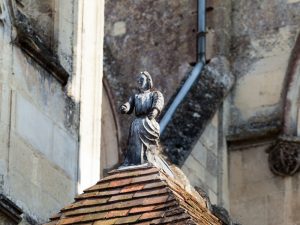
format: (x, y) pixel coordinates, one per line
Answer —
(144, 130)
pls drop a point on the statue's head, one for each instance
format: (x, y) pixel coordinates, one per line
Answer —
(144, 81)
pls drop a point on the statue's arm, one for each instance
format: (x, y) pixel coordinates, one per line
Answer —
(158, 101)
(128, 107)
(157, 105)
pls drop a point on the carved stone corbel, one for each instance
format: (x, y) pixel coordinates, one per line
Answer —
(284, 156)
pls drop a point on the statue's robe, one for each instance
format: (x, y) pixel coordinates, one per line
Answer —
(144, 132)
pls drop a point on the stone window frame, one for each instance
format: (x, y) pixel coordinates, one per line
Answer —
(28, 40)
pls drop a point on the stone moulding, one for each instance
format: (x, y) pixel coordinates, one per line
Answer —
(284, 156)
(32, 45)
(40, 54)
(10, 209)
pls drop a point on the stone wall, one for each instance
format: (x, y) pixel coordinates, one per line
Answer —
(110, 148)
(207, 165)
(38, 123)
(257, 195)
(263, 35)
(50, 82)
(201, 167)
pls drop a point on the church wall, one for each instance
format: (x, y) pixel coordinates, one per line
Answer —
(110, 149)
(201, 167)
(257, 195)
(263, 35)
(207, 165)
(38, 123)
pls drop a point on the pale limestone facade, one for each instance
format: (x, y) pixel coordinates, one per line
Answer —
(43, 165)
(257, 195)
(258, 111)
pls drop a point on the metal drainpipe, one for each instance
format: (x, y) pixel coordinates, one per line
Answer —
(196, 70)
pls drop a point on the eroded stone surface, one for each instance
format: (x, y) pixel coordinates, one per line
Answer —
(263, 34)
(197, 110)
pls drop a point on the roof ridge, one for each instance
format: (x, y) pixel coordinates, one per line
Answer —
(131, 168)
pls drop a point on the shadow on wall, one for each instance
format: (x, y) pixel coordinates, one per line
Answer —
(111, 154)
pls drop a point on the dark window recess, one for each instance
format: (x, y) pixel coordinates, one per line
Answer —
(30, 43)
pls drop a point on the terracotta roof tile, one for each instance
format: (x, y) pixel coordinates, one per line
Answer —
(123, 182)
(121, 197)
(133, 173)
(138, 195)
(128, 219)
(105, 222)
(151, 215)
(150, 192)
(132, 188)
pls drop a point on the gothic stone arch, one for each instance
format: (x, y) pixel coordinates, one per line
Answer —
(284, 155)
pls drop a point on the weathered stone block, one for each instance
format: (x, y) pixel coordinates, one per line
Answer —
(213, 85)
(40, 132)
(211, 181)
(255, 165)
(200, 153)
(119, 28)
(29, 199)
(275, 209)
(250, 212)
(44, 92)
(293, 1)
(5, 103)
(267, 77)
(65, 33)
(212, 197)
(236, 178)
(33, 126)
(65, 151)
(212, 163)
(196, 168)
(295, 198)
(35, 183)
(196, 181)
(54, 182)
(209, 138)
(23, 159)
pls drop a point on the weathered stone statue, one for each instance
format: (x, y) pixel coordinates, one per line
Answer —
(144, 130)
